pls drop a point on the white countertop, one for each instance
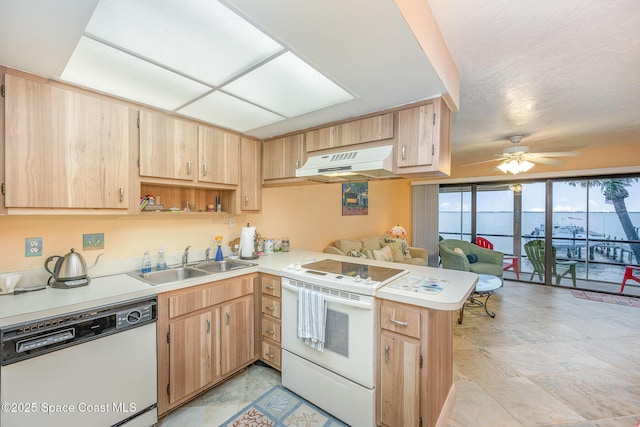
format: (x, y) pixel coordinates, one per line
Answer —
(120, 287)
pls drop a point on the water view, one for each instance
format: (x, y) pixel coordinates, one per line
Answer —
(498, 228)
(587, 224)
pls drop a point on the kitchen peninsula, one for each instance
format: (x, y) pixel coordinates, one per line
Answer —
(416, 321)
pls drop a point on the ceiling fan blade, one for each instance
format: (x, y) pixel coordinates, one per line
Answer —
(484, 161)
(556, 154)
(544, 161)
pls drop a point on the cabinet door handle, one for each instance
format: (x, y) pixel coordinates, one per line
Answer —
(227, 318)
(404, 149)
(398, 322)
(246, 200)
(122, 193)
(270, 287)
(269, 355)
(270, 307)
(297, 164)
(204, 170)
(270, 331)
(386, 353)
(188, 168)
(208, 325)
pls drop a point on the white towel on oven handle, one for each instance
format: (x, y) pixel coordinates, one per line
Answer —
(312, 318)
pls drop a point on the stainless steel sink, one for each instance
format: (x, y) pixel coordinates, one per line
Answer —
(176, 274)
(171, 275)
(220, 266)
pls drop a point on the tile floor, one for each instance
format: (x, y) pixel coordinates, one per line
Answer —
(547, 359)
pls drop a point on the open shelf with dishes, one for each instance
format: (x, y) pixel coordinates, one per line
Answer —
(171, 199)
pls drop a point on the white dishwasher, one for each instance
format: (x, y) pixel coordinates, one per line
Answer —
(94, 367)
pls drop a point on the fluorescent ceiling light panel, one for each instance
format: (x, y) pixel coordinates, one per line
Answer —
(103, 68)
(288, 86)
(199, 38)
(226, 111)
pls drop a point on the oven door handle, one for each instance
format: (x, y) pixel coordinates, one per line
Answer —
(329, 298)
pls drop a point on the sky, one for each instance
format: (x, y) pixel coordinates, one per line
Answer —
(565, 199)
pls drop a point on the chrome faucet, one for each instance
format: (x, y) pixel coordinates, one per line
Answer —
(185, 256)
(206, 254)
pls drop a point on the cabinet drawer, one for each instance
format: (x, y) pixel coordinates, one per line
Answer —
(271, 306)
(400, 318)
(271, 354)
(271, 286)
(271, 329)
(193, 299)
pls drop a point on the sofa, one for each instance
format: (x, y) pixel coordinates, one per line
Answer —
(381, 247)
(465, 256)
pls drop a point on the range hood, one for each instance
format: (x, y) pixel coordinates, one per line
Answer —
(357, 165)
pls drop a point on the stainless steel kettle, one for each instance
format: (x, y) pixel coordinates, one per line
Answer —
(69, 271)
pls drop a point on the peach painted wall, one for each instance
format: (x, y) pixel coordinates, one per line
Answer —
(309, 215)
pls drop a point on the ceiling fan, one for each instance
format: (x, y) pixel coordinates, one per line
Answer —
(518, 159)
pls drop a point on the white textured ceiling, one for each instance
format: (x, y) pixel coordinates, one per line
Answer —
(564, 73)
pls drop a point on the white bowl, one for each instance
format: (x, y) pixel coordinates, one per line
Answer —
(9, 281)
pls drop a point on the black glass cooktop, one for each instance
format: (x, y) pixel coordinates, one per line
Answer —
(352, 269)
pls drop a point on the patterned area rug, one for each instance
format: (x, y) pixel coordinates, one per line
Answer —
(280, 407)
(612, 299)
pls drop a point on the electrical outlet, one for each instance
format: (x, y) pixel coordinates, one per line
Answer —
(232, 223)
(33, 246)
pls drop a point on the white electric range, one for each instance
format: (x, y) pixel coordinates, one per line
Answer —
(343, 276)
(340, 379)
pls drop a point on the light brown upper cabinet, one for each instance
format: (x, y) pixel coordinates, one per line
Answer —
(179, 149)
(219, 153)
(281, 157)
(250, 175)
(64, 149)
(424, 140)
(168, 147)
(370, 129)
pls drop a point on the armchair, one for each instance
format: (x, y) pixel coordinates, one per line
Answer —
(488, 261)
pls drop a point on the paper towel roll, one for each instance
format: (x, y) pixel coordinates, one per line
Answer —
(247, 242)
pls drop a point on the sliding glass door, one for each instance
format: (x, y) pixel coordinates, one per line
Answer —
(591, 224)
(454, 214)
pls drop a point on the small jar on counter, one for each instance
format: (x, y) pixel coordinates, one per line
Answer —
(285, 244)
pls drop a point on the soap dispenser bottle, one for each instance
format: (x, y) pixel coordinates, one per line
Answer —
(162, 263)
(146, 263)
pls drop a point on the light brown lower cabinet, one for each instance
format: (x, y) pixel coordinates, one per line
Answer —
(237, 348)
(415, 369)
(191, 354)
(205, 334)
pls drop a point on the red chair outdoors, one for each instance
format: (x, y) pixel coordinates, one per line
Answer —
(628, 275)
(509, 262)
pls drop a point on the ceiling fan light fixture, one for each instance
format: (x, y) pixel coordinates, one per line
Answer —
(514, 166)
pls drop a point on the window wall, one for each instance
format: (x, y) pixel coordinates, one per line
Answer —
(591, 223)
(454, 215)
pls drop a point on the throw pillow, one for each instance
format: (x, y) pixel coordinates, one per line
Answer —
(396, 251)
(346, 245)
(383, 254)
(367, 253)
(459, 251)
(403, 244)
(472, 258)
(356, 254)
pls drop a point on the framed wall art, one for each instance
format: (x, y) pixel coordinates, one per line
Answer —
(355, 198)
